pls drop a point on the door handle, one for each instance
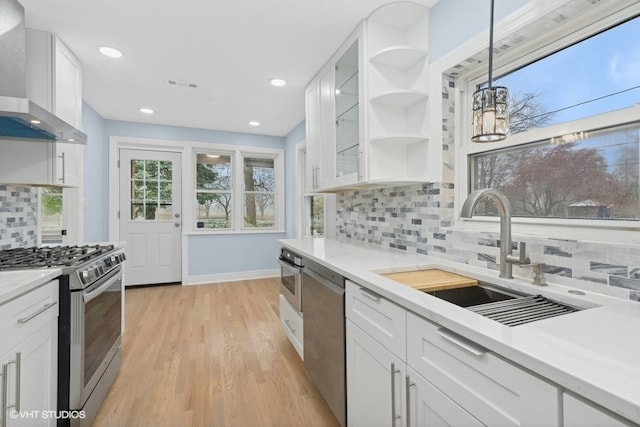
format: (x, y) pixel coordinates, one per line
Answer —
(407, 392)
(394, 371)
(176, 224)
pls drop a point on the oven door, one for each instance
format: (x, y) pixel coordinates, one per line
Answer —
(96, 330)
(291, 283)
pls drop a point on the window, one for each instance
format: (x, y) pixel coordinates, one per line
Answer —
(259, 192)
(575, 133)
(51, 220)
(314, 206)
(238, 190)
(151, 190)
(213, 191)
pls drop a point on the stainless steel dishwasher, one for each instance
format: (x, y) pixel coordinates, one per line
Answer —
(324, 335)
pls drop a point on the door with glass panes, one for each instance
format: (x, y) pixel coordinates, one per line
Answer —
(151, 216)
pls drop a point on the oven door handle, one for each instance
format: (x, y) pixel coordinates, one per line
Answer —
(88, 296)
(290, 266)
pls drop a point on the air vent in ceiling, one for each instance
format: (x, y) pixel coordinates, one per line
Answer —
(182, 83)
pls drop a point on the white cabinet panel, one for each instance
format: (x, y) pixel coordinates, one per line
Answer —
(493, 390)
(28, 357)
(292, 323)
(379, 317)
(580, 413)
(375, 378)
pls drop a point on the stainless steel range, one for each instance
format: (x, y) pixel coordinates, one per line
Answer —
(89, 326)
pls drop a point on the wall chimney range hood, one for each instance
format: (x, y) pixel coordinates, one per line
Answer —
(21, 118)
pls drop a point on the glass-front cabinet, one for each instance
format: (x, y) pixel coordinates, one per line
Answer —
(347, 102)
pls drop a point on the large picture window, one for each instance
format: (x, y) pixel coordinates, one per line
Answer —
(574, 151)
(238, 190)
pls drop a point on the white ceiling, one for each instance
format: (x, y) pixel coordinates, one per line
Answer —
(229, 48)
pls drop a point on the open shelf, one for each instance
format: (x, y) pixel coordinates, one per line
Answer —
(399, 139)
(399, 56)
(400, 98)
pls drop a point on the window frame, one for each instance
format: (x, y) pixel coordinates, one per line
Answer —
(545, 45)
(237, 154)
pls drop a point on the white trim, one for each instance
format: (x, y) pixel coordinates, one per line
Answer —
(231, 277)
(299, 178)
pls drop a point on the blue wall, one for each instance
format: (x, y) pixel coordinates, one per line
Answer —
(208, 254)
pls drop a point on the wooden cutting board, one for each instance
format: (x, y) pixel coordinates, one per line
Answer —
(431, 279)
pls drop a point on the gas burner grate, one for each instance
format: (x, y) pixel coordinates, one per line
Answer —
(50, 256)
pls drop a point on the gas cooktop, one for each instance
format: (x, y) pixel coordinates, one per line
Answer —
(51, 256)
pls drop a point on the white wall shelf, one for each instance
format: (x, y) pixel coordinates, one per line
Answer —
(403, 56)
(400, 98)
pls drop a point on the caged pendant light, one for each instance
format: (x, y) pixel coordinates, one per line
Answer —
(490, 121)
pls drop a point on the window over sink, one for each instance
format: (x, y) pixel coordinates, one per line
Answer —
(572, 155)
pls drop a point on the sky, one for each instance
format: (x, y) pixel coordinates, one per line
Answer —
(599, 66)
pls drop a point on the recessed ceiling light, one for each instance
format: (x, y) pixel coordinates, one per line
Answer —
(111, 52)
(278, 82)
(254, 123)
(146, 110)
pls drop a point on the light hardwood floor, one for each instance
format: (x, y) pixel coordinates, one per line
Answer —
(210, 355)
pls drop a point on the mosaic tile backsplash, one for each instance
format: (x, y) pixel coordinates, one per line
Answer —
(18, 216)
(416, 219)
(413, 218)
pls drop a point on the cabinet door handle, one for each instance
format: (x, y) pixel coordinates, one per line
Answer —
(394, 371)
(61, 156)
(5, 388)
(370, 295)
(408, 385)
(3, 411)
(462, 342)
(44, 308)
(293, 331)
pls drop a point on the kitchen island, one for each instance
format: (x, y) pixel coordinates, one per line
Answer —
(591, 353)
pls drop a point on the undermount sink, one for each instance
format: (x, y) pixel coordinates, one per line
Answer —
(472, 295)
(506, 307)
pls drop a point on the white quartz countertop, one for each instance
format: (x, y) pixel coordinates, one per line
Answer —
(594, 352)
(14, 283)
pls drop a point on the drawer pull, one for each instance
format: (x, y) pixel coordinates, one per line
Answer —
(370, 295)
(293, 331)
(462, 342)
(44, 308)
(408, 385)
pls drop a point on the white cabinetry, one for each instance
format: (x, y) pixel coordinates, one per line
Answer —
(403, 367)
(319, 130)
(580, 413)
(40, 163)
(491, 389)
(28, 357)
(379, 132)
(54, 76)
(292, 323)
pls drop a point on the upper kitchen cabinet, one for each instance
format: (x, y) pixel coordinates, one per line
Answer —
(319, 130)
(380, 132)
(54, 76)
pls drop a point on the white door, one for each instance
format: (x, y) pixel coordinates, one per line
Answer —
(151, 216)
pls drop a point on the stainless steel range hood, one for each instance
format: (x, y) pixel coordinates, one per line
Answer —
(21, 118)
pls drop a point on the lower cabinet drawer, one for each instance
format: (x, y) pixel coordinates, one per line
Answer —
(492, 390)
(292, 324)
(26, 314)
(385, 321)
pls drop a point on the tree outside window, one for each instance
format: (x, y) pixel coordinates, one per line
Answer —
(259, 192)
(213, 191)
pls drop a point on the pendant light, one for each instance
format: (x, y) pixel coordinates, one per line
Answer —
(490, 121)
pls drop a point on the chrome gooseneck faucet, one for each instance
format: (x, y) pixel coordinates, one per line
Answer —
(504, 209)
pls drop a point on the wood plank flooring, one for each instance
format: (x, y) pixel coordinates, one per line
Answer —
(210, 355)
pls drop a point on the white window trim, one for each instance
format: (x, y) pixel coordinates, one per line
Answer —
(584, 230)
(237, 153)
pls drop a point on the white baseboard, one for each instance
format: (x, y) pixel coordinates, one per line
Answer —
(232, 277)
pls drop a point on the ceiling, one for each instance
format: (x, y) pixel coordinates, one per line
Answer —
(228, 48)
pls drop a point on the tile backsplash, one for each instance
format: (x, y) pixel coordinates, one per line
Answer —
(417, 219)
(18, 216)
